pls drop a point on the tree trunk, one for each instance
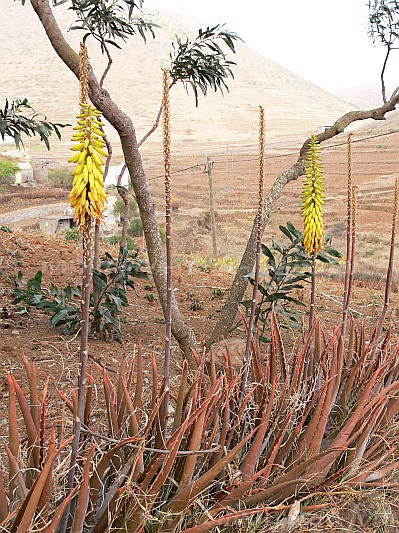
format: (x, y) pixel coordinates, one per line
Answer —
(126, 131)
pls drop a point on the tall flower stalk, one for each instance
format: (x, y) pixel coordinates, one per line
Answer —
(247, 357)
(168, 232)
(388, 282)
(87, 197)
(350, 238)
(313, 200)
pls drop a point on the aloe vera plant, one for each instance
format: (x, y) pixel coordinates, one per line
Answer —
(298, 428)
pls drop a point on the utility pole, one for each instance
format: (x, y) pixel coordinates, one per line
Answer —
(212, 207)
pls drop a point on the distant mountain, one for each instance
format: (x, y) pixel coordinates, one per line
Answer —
(364, 96)
(31, 68)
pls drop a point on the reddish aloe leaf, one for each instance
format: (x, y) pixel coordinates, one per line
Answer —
(29, 423)
(227, 519)
(119, 394)
(28, 508)
(183, 497)
(18, 478)
(311, 438)
(278, 347)
(194, 445)
(252, 456)
(212, 365)
(180, 397)
(110, 395)
(138, 514)
(299, 364)
(223, 433)
(277, 445)
(34, 400)
(89, 398)
(74, 404)
(59, 512)
(43, 506)
(4, 510)
(278, 491)
(320, 467)
(67, 402)
(359, 440)
(225, 500)
(83, 497)
(13, 437)
(138, 396)
(42, 427)
(133, 425)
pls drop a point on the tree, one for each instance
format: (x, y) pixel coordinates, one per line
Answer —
(384, 27)
(200, 64)
(14, 124)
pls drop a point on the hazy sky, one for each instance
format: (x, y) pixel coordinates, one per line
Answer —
(324, 41)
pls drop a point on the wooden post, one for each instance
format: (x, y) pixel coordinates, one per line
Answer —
(212, 207)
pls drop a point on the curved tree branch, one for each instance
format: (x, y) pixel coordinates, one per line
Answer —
(230, 308)
(126, 131)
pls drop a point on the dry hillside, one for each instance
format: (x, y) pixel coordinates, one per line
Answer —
(31, 68)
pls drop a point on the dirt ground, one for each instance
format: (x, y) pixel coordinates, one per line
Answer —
(56, 355)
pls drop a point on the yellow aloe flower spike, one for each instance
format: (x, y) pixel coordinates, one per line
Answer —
(88, 194)
(313, 200)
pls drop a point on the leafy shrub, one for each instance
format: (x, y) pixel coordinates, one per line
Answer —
(120, 208)
(288, 269)
(112, 281)
(61, 178)
(135, 227)
(117, 238)
(8, 168)
(73, 234)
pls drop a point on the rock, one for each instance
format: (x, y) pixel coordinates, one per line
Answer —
(236, 347)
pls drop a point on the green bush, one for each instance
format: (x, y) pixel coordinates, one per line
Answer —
(119, 207)
(73, 234)
(112, 280)
(8, 168)
(116, 239)
(61, 178)
(136, 227)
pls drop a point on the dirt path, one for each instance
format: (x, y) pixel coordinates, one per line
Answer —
(29, 213)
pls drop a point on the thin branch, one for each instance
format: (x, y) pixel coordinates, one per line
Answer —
(109, 61)
(236, 294)
(383, 89)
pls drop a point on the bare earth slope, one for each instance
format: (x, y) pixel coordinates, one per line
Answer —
(30, 67)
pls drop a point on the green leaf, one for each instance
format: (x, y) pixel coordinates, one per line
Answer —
(58, 317)
(268, 253)
(286, 232)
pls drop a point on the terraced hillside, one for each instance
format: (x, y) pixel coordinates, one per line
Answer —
(30, 67)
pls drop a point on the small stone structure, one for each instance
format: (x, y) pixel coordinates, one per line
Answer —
(55, 223)
(24, 174)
